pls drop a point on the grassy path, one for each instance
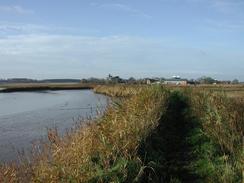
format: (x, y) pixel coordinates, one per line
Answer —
(182, 148)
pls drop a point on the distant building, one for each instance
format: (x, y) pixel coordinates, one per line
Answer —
(149, 81)
(192, 82)
(175, 80)
(114, 79)
(152, 81)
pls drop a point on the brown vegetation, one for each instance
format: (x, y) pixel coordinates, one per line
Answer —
(150, 134)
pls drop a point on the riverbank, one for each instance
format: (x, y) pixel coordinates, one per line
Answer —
(152, 134)
(44, 86)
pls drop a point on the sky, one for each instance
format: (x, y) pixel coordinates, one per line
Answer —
(139, 38)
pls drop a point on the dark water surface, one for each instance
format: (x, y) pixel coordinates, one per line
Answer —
(25, 116)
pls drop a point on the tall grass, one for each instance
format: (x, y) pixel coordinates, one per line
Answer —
(150, 135)
(120, 90)
(103, 151)
(220, 149)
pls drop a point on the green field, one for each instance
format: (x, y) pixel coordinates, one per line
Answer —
(149, 134)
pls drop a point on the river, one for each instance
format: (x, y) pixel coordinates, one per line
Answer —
(26, 116)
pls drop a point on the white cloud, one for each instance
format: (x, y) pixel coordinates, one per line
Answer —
(15, 9)
(228, 6)
(12, 28)
(223, 25)
(74, 55)
(227, 14)
(66, 45)
(18, 28)
(122, 7)
(82, 56)
(223, 6)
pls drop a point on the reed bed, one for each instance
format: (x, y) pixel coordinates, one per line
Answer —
(220, 153)
(151, 134)
(120, 90)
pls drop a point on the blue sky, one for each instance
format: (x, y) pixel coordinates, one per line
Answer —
(140, 38)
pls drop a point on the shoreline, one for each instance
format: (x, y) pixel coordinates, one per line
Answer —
(21, 87)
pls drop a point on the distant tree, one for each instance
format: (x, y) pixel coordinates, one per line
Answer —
(162, 79)
(206, 80)
(84, 81)
(141, 81)
(93, 80)
(235, 81)
(131, 80)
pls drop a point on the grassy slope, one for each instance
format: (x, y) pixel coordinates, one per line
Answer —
(152, 135)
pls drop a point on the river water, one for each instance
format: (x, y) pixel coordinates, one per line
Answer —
(26, 116)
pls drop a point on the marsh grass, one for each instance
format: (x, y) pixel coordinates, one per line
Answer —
(220, 152)
(149, 134)
(102, 151)
(120, 90)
